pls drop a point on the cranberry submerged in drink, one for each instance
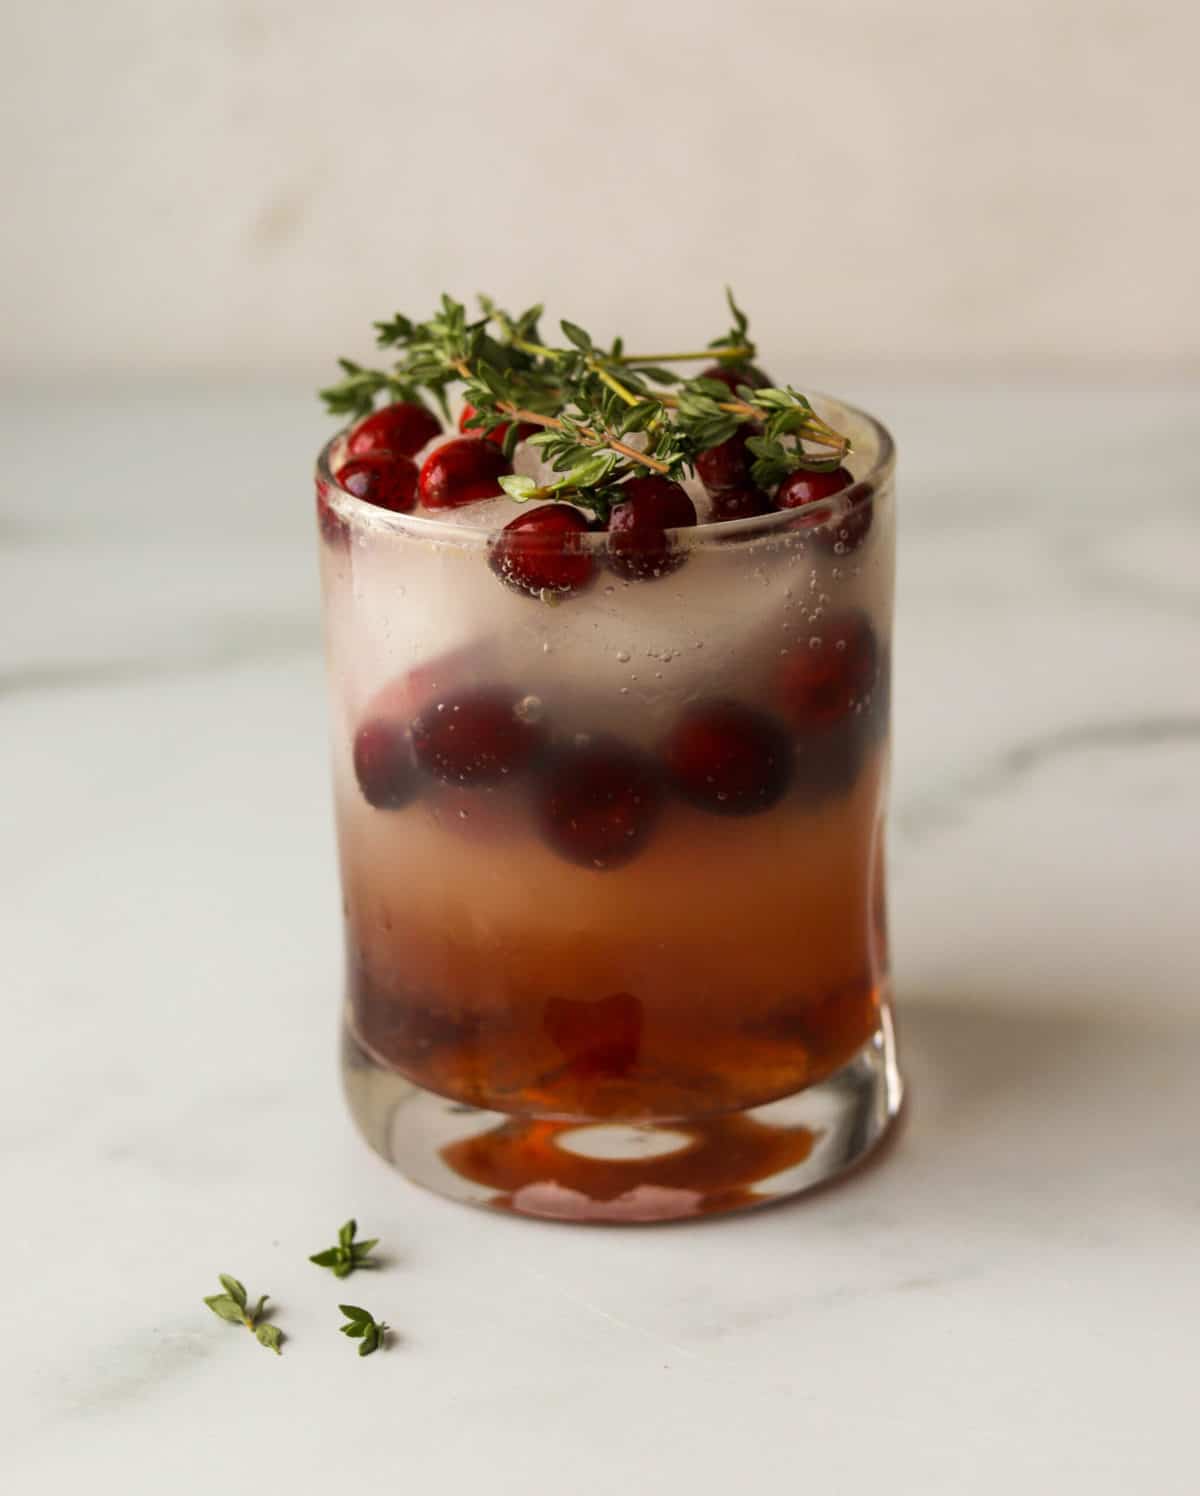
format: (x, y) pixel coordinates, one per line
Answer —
(610, 760)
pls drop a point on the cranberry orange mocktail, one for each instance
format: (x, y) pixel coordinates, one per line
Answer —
(610, 735)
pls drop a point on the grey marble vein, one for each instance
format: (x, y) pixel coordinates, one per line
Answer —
(919, 819)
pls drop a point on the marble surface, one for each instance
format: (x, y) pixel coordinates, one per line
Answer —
(1007, 1303)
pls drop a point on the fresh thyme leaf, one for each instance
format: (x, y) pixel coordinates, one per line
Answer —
(738, 335)
(233, 1288)
(392, 333)
(575, 334)
(227, 1308)
(270, 1336)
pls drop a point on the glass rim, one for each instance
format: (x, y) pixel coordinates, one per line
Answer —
(363, 515)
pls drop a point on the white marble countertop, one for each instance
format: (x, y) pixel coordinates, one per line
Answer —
(1007, 1303)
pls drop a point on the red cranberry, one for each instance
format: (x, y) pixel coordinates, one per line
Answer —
(728, 758)
(541, 551)
(525, 429)
(437, 677)
(726, 465)
(455, 672)
(462, 471)
(387, 481)
(383, 764)
(598, 800)
(847, 531)
(403, 428)
(740, 503)
(733, 375)
(639, 547)
(477, 737)
(803, 487)
(819, 685)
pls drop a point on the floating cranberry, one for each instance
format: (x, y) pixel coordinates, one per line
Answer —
(541, 551)
(728, 758)
(842, 534)
(727, 465)
(437, 677)
(824, 679)
(740, 503)
(525, 429)
(382, 479)
(478, 737)
(733, 375)
(383, 764)
(403, 428)
(598, 800)
(461, 471)
(803, 487)
(639, 547)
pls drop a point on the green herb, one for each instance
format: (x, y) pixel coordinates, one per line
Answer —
(348, 1254)
(603, 413)
(362, 1325)
(233, 1305)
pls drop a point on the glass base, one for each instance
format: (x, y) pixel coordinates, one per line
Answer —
(622, 1172)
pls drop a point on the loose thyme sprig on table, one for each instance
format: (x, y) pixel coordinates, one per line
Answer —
(605, 415)
(233, 1306)
(348, 1254)
(362, 1325)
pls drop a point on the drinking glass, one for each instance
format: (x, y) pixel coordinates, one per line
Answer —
(613, 862)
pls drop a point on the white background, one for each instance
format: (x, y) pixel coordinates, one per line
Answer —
(989, 185)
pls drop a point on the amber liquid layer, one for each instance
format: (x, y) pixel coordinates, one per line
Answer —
(736, 961)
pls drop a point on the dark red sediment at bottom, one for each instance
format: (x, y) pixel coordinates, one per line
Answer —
(612, 1058)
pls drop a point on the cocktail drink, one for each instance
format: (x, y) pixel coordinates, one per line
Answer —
(610, 759)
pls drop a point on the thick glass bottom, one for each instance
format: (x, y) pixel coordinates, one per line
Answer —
(626, 1173)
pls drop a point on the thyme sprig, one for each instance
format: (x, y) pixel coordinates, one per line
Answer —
(604, 414)
(233, 1305)
(349, 1254)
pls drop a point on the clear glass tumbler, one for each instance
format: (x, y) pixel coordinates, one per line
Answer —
(613, 869)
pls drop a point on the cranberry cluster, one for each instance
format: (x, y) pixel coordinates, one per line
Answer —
(542, 550)
(596, 799)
